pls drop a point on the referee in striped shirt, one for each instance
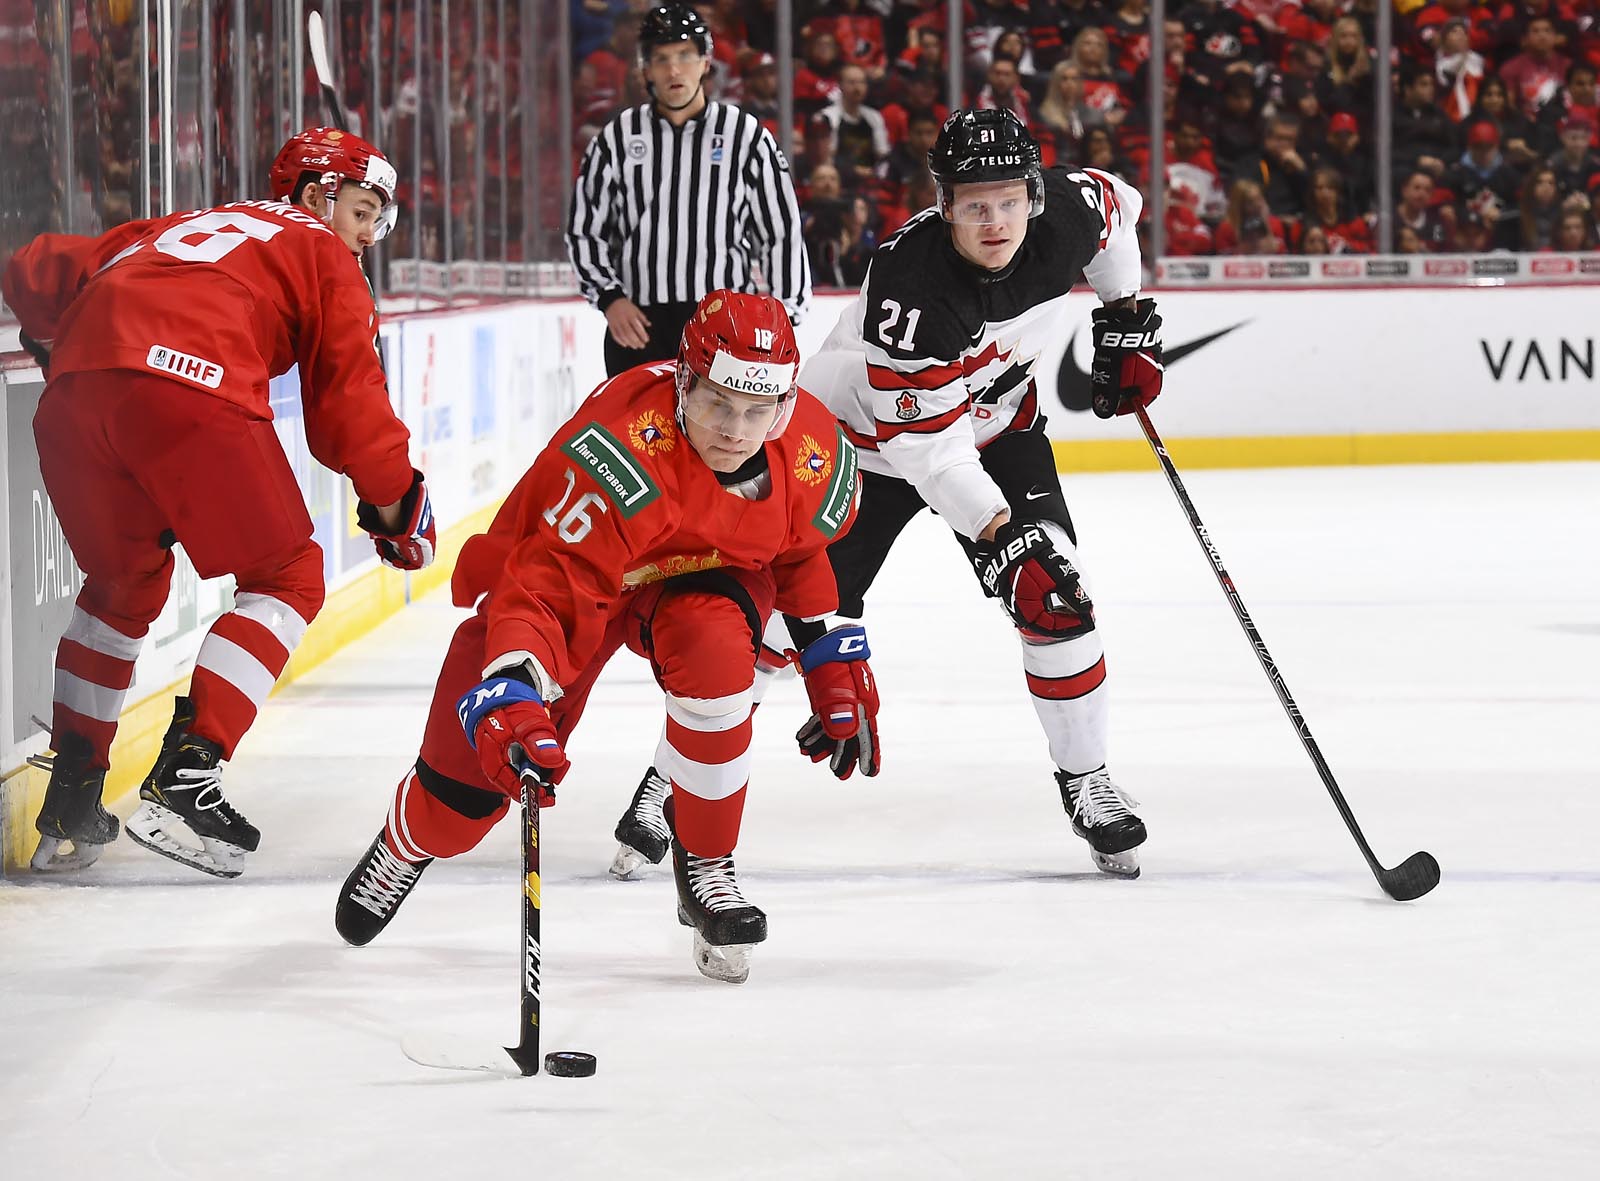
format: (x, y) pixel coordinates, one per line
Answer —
(678, 197)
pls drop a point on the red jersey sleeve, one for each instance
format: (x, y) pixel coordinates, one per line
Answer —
(824, 468)
(45, 276)
(351, 426)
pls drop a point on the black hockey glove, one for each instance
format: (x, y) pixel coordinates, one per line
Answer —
(1035, 582)
(1127, 370)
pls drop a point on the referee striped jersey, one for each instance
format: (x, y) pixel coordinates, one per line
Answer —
(664, 214)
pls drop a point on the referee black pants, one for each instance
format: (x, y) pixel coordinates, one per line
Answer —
(666, 333)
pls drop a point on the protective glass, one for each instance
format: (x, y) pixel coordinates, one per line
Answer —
(750, 418)
(992, 203)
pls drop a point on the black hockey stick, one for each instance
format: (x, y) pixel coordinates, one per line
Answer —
(448, 1053)
(317, 40)
(526, 1052)
(1414, 876)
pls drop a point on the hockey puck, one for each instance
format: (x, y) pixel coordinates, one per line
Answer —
(569, 1064)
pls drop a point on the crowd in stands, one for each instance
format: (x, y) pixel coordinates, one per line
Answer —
(1268, 110)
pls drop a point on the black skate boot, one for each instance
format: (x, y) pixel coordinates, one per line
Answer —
(72, 809)
(181, 803)
(725, 925)
(373, 892)
(1102, 814)
(642, 833)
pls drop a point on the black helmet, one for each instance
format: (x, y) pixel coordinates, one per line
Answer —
(976, 147)
(669, 23)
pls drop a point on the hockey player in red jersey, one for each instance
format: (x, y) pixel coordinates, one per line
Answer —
(673, 515)
(154, 430)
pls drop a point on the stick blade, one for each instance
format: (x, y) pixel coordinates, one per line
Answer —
(1412, 878)
(317, 38)
(444, 1052)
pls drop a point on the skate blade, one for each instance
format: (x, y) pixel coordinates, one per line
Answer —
(730, 963)
(1117, 865)
(48, 857)
(153, 826)
(626, 865)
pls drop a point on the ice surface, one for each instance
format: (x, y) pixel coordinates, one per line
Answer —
(948, 991)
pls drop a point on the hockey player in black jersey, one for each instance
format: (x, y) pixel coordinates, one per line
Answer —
(932, 373)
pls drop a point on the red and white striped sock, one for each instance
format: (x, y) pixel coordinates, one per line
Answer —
(239, 662)
(94, 667)
(705, 752)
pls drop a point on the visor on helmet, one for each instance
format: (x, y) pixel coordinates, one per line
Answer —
(749, 418)
(991, 202)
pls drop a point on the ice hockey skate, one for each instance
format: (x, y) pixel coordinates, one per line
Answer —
(1103, 814)
(642, 834)
(726, 926)
(182, 812)
(72, 812)
(373, 892)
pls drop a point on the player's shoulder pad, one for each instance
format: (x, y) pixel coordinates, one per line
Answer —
(913, 297)
(625, 438)
(821, 463)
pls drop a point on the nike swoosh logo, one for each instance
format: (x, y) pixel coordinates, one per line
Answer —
(1035, 495)
(1073, 386)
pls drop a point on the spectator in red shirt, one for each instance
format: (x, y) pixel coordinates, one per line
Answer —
(859, 32)
(1310, 21)
(1459, 70)
(1192, 170)
(1429, 24)
(1002, 91)
(1104, 87)
(816, 83)
(921, 193)
(1578, 98)
(1187, 232)
(1128, 26)
(1249, 227)
(1535, 75)
(1512, 21)
(1346, 233)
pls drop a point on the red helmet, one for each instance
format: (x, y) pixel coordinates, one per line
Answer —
(336, 157)
(744, 344)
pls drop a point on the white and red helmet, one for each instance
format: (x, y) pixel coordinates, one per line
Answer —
(336, 158)
(744, 345)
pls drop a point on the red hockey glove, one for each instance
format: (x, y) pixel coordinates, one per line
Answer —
(1037, 585)
(843, 727)
(412, 546)
(1127, 370)
(507, 723)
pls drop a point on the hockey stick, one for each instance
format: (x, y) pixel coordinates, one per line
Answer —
(448, 1053)
(453, 1054)
(1414, 876)
(317, 40)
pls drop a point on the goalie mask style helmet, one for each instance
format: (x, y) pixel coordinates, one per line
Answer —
(982, 147)
(670, 23)
(336, 158)
(737, 365)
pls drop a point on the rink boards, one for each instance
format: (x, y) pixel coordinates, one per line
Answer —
(1256, 378)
